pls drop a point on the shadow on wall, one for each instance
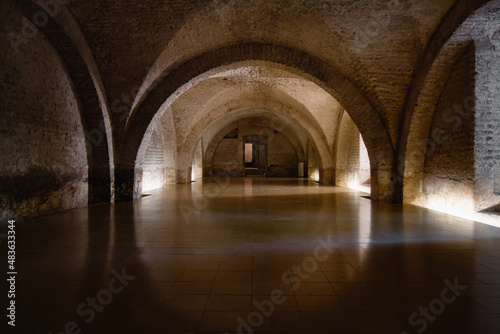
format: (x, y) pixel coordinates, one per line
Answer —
(353, 163)
(43, 156)
(458, 173)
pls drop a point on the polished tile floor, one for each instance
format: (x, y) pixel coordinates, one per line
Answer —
(256, 256)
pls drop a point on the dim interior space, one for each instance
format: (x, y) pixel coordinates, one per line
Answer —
(291, 166)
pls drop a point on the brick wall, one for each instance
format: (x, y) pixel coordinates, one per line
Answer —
(197, 171)
(312, 163)
(154, 163)
(43, 166)
(449, 167)
(364, 163)
(282, 160)
(228, 158)
(169, 145)
(487, 120)
(353, 163)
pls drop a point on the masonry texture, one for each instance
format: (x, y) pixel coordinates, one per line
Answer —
(449, 167)
(153, 166)
(282, 160)
(43, 153)
(101, 101)
(487, 129)
(353, 163)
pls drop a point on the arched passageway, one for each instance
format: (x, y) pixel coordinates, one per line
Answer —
(143, 128)
(450, 162)
(162, 112)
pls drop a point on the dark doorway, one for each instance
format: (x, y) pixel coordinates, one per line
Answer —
(255, 155)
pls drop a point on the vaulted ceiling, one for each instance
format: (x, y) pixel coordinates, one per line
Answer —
(192, 63)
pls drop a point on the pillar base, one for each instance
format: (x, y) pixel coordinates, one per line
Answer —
(385, 186)
(183, 176)
(327, 176)
(100, 182)
(128, 184)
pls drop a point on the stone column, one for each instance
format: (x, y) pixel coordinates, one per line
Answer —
(184, 175)
(327, 176)
(128, 183)
(385, 185)
(99, 184)
(487, 122)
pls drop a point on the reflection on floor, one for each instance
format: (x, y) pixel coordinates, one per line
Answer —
(256, 255)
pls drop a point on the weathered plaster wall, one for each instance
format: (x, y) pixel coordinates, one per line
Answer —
(43, 162)
(448, 180)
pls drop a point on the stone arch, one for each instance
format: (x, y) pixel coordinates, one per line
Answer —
(367, 119)
(258, 92)
(319, 142)
(264, 122)
(63, 33)
(165, 114)
(233, 23)
(464, 28)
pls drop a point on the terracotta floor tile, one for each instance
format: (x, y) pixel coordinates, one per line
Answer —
(358, 266)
